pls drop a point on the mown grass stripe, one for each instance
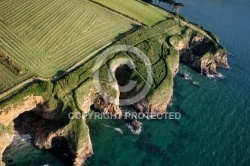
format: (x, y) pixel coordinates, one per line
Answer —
(64, 39)
(57, 31)
(5, 10)
(13, 36)
(36, 18)
(98, 31)
(67, 32)
(52, 35)
(23, 13)
(16, 54)
(84, 48)
(48, 32)
(15, 49)
(44, 27)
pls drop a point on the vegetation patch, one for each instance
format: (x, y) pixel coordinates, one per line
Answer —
(10, 63)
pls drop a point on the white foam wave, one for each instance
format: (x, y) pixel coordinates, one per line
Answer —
(118, 130)
(219, 75)
(115, 128)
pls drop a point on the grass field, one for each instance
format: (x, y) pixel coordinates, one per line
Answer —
(49, 36)
(7, 78)
(147, 14)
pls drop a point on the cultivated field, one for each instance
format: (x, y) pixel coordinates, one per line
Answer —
(49, 36)
(8, 79)
(147, 14)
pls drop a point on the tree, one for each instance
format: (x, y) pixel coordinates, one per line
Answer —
(148, 1)
(159, 1)
(170, 2)
(177, 7)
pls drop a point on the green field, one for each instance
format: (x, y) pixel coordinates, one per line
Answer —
(147, 14)
(49, 36)
(7, 78)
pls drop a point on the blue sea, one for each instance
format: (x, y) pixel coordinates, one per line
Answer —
(215, 125)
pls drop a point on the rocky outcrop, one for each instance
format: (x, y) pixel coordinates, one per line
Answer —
(45, 141)
(87, 101)
(135, 126)
(205, 65)
(87, 96)
(8, 114)
(152, 107)
(83, 153)
(33, 112)
(107, 108)
(6, 138)
(220, 58)
(204, 54)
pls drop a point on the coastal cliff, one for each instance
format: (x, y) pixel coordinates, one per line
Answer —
(7, 116)
(204, 54)
(45, 129)
(6, 137)
(165, 44)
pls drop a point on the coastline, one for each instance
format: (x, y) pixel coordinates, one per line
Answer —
(87, 151)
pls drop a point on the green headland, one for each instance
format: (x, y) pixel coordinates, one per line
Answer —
(49, 49)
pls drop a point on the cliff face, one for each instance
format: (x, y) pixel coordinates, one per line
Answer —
(153, 106)
(8, 114)
(6, 138)
(107, 108)
(83, 153)
(220, 58)
(204, 54)
(78, 141)
(205, 65)
(33, 111)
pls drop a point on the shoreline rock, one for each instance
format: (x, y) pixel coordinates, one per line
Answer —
(83, 153)
(135, 127)
(204, 55)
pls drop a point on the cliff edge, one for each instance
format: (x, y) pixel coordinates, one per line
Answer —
(165, 45)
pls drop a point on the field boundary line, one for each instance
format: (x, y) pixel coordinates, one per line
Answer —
(116, 12)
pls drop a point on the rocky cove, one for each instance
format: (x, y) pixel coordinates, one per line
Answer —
(166, 44)
(31, 120)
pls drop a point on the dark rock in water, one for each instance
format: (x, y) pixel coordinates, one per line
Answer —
(10, 161)
(135, 126)
(230, 54)
(184, 76)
